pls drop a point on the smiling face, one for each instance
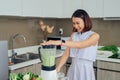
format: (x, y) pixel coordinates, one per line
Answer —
(78, 24)
(81, 21)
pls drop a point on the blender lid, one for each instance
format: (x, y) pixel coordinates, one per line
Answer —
(48, 46)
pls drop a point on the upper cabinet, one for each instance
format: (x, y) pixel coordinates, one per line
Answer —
(52, 8)
(32, 8)
(111, 8)
(93, 7)
(10, 7)
(59, 8)
(69, 6)
(42, 8)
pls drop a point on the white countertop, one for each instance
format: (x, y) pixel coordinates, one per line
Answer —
(30, 62)
(101, 55)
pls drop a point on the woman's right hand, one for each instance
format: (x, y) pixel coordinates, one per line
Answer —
(51, 42)
(58, 69)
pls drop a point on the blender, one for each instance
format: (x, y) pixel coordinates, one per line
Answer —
(47, 57)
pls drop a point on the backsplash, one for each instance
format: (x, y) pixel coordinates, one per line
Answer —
(29, 27)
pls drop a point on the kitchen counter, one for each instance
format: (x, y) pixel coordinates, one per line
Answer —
(101, 55)
(33, 49)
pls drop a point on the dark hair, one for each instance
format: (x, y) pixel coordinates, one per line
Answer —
(85, 17)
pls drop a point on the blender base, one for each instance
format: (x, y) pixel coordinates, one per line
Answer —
(49, 75)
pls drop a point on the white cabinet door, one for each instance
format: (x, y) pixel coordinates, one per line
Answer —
(10, 7)
(108, 75)
(69, 6)
(108, 70)
(42, 8)
(93, 7)
(111, 8)
(52, 8)
(32, 8)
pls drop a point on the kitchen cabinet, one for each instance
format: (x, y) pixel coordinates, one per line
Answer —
(59, 8)
(108, 75)
(111, 8)
(42, 8)
(32, 8)
(69, 6)
(10, 8)
(93, 7)
(108, 70)
(38, 68)
(35, 68)
(52, 8)
(30, 68)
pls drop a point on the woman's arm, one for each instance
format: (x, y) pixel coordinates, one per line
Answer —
(64, 57)
(63, 60)
(91, 41)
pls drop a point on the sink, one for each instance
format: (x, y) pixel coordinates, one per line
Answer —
(28, 56)
(19, 60)
(25, 57)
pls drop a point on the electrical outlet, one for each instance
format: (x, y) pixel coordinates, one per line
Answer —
(61, 31)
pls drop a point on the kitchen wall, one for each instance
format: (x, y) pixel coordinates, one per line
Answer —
(108, 30)
(28, 27)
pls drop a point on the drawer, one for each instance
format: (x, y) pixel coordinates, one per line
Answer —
(108, 65)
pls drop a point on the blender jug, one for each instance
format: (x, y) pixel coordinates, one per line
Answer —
(47, 56)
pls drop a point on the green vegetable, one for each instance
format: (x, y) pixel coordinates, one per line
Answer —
(114, 56)
(112, 48)
(13, 76)
(39, 78)
(19, 76)
(26, 76)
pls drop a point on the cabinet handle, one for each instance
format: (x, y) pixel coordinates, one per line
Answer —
(108, 70)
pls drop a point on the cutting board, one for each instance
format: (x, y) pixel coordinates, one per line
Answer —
(3, 60)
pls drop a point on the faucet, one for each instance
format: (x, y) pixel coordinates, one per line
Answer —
(13, 39)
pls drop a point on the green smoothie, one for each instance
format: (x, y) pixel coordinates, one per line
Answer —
(48, 57)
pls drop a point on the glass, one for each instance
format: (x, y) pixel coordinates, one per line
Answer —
(64, 78)
(48, 55)
(60, 75)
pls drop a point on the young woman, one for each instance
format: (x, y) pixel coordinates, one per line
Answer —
(81, 47)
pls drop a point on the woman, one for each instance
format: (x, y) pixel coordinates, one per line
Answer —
(81, 47)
